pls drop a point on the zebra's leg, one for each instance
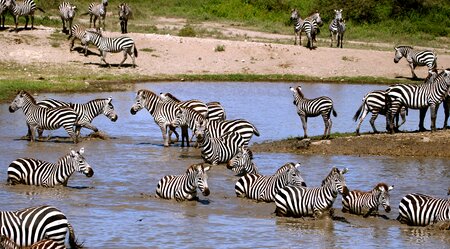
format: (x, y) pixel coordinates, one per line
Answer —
(103, 56)
(414, 76)
(71, 132)
(90, 21)
(403, 116)
(331, 38)
(33, 133)
(361, 120)
(372, 122)
(341, 38)
(304, 124)
(184, 135)
(433, 111)
(423, 112)
(84, 125)
(125, 55)
(446, 111)
(126, 26)
(164, 132)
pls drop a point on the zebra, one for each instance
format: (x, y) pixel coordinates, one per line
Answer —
(3, 10)
(216, 112)
(312, 108)
(113, 45)
(423, 210)
(301, 201)
(36, 172)
(264, 188)
(220, 149)
(337, 28)
(311, 29)
(97, 10)
(416, 58)
(30, 225)
(79, 32)
(375, 102)
(67, 13)
(184, 187)
(25, 8)
(6, 243)
(428, 94)
(242, 163)
(42, 118)
(366, 203)
(124, 15)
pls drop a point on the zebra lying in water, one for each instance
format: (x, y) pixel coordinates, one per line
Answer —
(242, 163)
(423, 210)
(31, 171)
(366, 203)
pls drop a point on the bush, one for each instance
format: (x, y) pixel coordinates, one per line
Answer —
(187, 31)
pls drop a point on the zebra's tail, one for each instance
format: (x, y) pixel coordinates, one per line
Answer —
(135, 51)
(40, 9)
(334, 112)
(255, 131)
(84, 14)
(358, 113)
(72, 240)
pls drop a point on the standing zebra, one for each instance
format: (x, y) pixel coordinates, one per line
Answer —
(309, 25)
(184, 187)
(124, 14)
(42, 118)
(375, 102)
(264, 188)
(313, 108)
(423, 210)
(337, 28)
(6, 243)
(428, 94)
(366, 203)
(299, 201)
(31, 171)
(416, 58)
(3, 10)
(242, 163)
(79, 32)
(25, 8)
(97, 10)
(113, 45)
(67, 13)
(31, 225)
(216, 112)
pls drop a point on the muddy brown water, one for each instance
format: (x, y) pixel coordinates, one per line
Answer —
(117, 207)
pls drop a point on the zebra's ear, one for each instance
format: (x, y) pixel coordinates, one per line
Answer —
(74, 7)
(344, 171)
(73, 153)
(81, 151)
(206, 168)
(390, 188)
(109, 99)
(292, 89)
(297, 165)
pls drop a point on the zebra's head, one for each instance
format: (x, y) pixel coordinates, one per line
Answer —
(384, 196)
(336, 180)
(71, 11)
(201, 177)
(317, 18)
(20, 100)
(401, 51)
(242, 163)
(105, 2)
(291, 170)
(108, 110)
(180, 117)
(139, 102)
(200, 130)
(298, 94)
(79, 162)
(123, 12)
(338, 15)
(10, 3)
(294, 15)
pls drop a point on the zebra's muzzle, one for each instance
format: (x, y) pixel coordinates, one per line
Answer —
(303, 184)
(387, 209)
(206, 192)
(133, 111)
(89, 172)
(11, 109)
(114, 118)
(396, 60)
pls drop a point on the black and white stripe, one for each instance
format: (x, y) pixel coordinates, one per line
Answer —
(124, 15)
(184, 187)
(97, 11)
(309, 25)
(6, 243)
(3, 11)
(301, 201)
(264, 188)
(216, 112)
(337, 28)
(312, 108)
(416, 58)
(30, 225)
(367, 203)
(79, 32)
(42, 118)
(423, 210)
(242, 163)
(25, 8)
(67, 13)
(113, 45)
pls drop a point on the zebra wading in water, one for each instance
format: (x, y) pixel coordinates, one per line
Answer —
(216, 112)
(112, 45)
(375, 102)
(416, 58)
(97, 11)
(28, 226)
(293, 201)
(242, 163)
(124, 14)
(36, 172)
(312, 108)
(25, 8)
(428, 94)
(7, 243)
(184, 187)
(67, 13)
(337, 28)
(367, 203)
(264, 188)
(423, 210)
(41, 118)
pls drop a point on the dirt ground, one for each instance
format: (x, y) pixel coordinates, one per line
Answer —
(172, 55)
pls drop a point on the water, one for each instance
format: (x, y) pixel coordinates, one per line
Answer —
(116, 207)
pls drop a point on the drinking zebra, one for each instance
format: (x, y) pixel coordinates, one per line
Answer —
(113, 45)
(31, 171)
(97, 11)
(416, 58)
(312, 108)
(124, 14)
(242, 163)
(67, 13)
(337, 28)
(218, 150)
(428, 94)
(375, 102)
(264, 188)
(309, 25)
(42, 118)
(216, 112)
(184, 187)
(423, 210)
(366, 203)
(30, 225)
(6, 243)
(301, 201)
(25, 8)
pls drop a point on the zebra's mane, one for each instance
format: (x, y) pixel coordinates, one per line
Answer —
(379, 185)
(146, 93)
(169, 95)
(194, 167)
(28, 95)
(299, 92)
(404, 46)
(285, 168)
(333, 171)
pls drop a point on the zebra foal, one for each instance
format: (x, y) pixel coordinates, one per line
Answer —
(25, 8)
(366, 203)
(423, 210)
(184, 187)
(124, 14)
(67, 13)
(36, 172)
(7, 243)
(312, 108)
(416, 58)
